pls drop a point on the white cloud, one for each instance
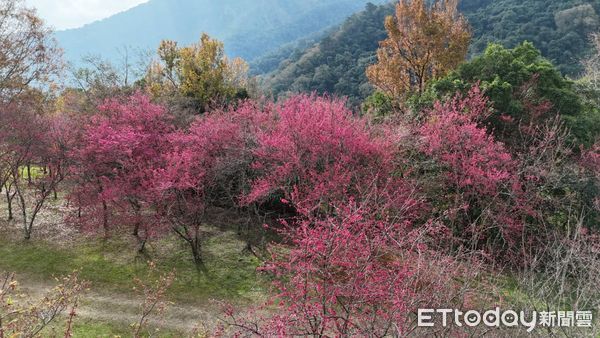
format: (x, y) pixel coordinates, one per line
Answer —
(63, 14)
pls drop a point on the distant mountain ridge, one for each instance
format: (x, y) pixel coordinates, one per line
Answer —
(249, 28)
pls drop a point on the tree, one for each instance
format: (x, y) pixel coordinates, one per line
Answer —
(28, 54)
(134, 169)
(378, 106)
(525, 90)
(207, 165)
(588, 85)
(423, 43)
(559, 28)
(592, 64)
(579, 18)
(357, 256)
(36, 159)
(502, 199)
(28, 58)
(316, 152)
(477, 181)
(98, 80)
(361, 271)
(189, 183)
(200, 72)
(121, 146)
(5, 153)
(591, 163)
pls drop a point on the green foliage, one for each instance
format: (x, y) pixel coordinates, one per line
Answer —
(200, 74)
(559, 28)
(272, 60)
(337, 63)
(518, 81)
(586, 125)
(35, 171)
(378, 105)
(503, 71)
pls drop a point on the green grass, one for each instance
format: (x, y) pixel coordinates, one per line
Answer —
(100, 329)
(36, 171)
(96, 329)
(86, 328)
(112, 265)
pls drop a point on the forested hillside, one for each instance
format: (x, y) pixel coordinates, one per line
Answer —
(559, 28)
(248, 28)
(337, 63)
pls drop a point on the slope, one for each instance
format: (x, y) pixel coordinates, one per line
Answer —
(249, 28)
(337, 63)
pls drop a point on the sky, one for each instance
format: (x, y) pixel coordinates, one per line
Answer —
(63, 14)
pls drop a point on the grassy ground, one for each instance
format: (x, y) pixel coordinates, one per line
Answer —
(104, 329)
(112, 264)
(111, 305)
(88, 328)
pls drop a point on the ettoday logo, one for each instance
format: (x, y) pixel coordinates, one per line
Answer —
(508, 318)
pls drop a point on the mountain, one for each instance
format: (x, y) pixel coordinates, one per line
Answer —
(249, 28)
(337, 63)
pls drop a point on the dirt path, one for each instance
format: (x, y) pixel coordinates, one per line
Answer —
(99, 304)
(106, 305)
(125, 309)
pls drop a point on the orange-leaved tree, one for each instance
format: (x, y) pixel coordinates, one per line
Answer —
(424, 42)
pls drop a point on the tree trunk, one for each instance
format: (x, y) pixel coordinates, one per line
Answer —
(54, 192)
(105, 218)
(142, 246)
(78, 206)
(190, 233)
(196, 244)
(26, 228)
(9, 199)
(141, 240)
(29, 173)
(136, 227)
(196, 247)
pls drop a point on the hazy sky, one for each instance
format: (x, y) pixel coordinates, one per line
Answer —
(62, 14)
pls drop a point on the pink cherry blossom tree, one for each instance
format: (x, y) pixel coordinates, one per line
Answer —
(114, 164)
